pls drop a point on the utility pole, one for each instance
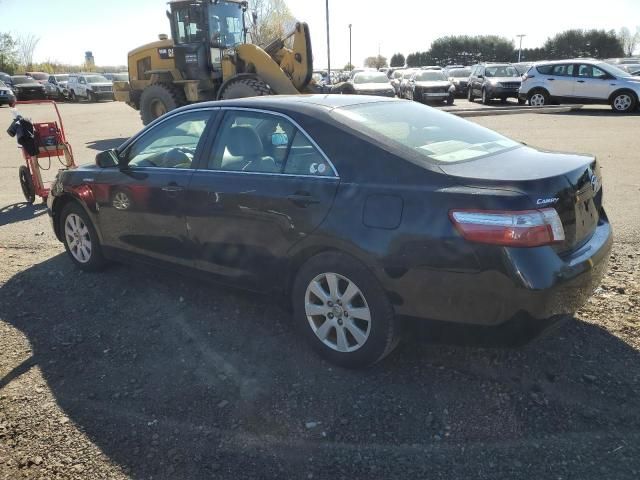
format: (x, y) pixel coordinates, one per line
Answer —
(350, 64)
(328, 45)
(520, 50)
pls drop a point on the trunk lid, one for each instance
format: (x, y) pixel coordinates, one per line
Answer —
(570, 183)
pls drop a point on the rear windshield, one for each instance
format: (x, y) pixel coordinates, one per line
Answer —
(501, 71)
(370, 78)
(433, 134)
(429, 76)
(460, 73)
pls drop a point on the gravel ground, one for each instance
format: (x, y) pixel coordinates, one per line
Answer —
(139, 373)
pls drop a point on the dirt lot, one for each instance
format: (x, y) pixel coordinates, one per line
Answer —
(139, 373)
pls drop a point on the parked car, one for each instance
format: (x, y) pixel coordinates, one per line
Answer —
(40, 77)
(6, 95)
(89, 87)
(523, 67)
(369, 83)
(396, 78)
(355, 71)
(632, 67)
(359, 210)
(431, 67)
(636, 73)
(459, 77)
(494, 80)
(622, 61)
(27, 88)
(5, 78)
(430, 86)
(56, 87)
(117, 77)
(404, 81)
(580, 81)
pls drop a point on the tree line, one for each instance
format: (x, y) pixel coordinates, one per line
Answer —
(467, 50)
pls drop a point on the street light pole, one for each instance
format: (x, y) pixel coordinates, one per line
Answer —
(520, 50)
(350, 64)
(328, 45)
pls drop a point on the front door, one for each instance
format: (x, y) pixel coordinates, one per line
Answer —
(593, 83)
(264, 187)
(142, 202)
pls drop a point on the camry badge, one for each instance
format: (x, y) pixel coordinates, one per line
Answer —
(547, 201)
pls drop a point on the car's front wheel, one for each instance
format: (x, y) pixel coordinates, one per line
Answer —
(343, 311)
(538, 98)
(623, 102)
(486, 98)
(470, 95)
(80, 238)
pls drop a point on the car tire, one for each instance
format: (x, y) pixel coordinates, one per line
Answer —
(328, 320)
(623, 102)
(26, 183)
(81, 239)
(72, 97)
(538, 98)
(470, 96)
(91, 97)
(450, 100)
(486, 100)
(521, 101)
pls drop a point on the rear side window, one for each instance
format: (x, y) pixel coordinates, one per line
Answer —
(544, 69)
(563, 70)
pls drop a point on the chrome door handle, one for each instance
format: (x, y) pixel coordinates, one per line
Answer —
(172, 189)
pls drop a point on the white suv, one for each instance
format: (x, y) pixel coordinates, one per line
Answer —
(580, 81)
(90, 87)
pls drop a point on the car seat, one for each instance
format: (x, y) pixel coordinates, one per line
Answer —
(244, 142)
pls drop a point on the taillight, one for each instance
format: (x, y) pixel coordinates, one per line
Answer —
(527, 76)
(528, 228)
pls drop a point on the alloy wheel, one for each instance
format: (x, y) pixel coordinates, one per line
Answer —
(78, 238)
(338, 312)
(537, 100)
(121, 201)
(622, 102)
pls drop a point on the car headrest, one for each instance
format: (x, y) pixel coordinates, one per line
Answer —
(244, 141)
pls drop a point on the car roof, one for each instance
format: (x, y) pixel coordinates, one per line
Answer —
(570, 60)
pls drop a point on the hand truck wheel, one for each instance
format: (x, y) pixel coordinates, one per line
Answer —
(26, 182)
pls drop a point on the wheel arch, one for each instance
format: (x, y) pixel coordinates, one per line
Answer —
(623, 90)
(538, 89)
(58, 205)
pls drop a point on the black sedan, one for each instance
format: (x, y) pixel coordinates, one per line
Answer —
(26, 88)
(359, 210)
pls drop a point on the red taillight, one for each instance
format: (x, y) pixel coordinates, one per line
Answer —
(527, 76)
(528, 228)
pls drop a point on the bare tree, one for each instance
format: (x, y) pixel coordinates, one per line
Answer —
(270, 19)
(629, 40)
(26, 45)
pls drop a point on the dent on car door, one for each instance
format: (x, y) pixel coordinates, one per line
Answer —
(264, 187)
(142, 201)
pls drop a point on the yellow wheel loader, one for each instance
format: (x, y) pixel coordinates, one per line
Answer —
(209, 58)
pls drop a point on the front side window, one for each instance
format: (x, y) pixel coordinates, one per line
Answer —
(591, 71)
(432, 134)
(263, 143)
(171, 144)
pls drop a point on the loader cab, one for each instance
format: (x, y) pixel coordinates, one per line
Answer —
(202, 31)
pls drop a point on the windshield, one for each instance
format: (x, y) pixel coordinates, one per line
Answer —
(21, 80)
(430, 76)
(62, 78)
(97, 79)
(460, 73)
(226, 24)
(433, 134)
(615, 71)
(3, 85)
(39, 76)
(501, 71)
(370, 78)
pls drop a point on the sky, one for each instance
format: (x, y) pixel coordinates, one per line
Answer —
(110, 28)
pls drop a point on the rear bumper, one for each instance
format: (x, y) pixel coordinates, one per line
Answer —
(532, 283)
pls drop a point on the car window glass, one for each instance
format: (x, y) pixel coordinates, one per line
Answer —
(591, 71)
(562, 70)
(264, 143)
(171, 144)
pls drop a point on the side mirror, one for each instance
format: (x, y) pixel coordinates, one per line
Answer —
(107, 159)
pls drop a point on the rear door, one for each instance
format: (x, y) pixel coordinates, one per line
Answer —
(593, 83)
(561, 81)
(142, 203)
(263, 186)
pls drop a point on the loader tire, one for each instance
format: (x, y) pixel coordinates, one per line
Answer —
(158, 99)
(244, 87)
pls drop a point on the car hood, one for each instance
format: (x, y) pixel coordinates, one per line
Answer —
(372, 86)
(504, 79)
(436, 83)
(29, 85)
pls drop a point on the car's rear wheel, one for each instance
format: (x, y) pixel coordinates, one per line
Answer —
(623, 102)
(80, 238)
(343, 311)
(538, 98)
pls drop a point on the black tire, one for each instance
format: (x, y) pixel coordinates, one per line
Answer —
(96, 260)
(26, 182)
(486, 99)
(450, 100)
(521, 101)
(72, 97)
(383, 328)
(243, 87)
(158, 99)
(624, 102)
(470, 95)
(91, 97)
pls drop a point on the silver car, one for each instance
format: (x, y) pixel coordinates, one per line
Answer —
(580, 81)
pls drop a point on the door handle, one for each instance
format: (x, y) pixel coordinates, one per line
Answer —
(552, 79)
(580, 81)
(302, 199)
(172, 189)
